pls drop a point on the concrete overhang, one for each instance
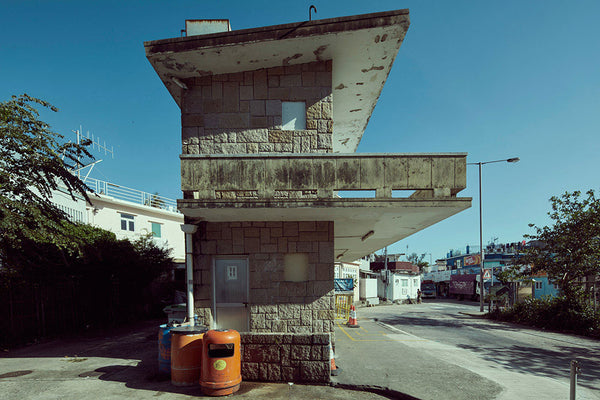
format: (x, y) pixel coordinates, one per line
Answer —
(303, 187)
(390, 220)
(362, 49)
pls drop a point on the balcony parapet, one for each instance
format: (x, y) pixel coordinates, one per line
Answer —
(239, 177)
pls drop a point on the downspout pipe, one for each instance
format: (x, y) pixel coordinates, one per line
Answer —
(189, 231)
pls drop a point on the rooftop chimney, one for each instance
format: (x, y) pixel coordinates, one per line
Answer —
(206, 26)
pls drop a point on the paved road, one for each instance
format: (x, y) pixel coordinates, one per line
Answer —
(503, 353)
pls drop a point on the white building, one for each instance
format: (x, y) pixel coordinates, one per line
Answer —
(398, 285)
(128, 213)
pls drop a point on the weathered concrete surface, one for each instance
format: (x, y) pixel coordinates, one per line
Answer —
(357, 78)
(390, 219)
(120, 364)
(269, 175)
(374, 357)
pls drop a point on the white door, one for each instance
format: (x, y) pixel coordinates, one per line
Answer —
(230, 285)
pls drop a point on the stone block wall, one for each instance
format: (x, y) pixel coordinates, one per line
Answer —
(285, 358)
(241, 112)
(276, 305)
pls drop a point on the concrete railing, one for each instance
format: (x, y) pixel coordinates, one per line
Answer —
(264, 176)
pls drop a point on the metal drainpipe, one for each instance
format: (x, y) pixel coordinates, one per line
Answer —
(189, 231)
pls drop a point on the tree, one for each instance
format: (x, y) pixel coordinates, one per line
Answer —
(33, 163)
(569, 249)
(417, 260)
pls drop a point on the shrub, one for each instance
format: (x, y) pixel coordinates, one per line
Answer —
(559, 313)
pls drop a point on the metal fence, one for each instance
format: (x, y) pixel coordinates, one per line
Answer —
(133, 195)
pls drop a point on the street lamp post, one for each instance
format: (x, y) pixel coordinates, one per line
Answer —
(481, 251)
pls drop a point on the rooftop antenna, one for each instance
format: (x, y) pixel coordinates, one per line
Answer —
(96, 145)
(312, 7)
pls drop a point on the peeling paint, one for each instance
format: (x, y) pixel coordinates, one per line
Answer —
(345, 141)
(384, 37)
(374, 67)
(340, 86)
(377, 39)
(286, 61)
(201, 72)
(360, 83)
(320, 51)
(356, 109)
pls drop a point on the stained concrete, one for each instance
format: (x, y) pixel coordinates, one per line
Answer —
(122, 364)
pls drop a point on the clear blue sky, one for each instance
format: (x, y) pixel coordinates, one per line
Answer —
(494, 79)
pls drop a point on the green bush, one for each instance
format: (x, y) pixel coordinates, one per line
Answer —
(558, 313)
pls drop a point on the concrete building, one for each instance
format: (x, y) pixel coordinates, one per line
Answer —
(128, 213)
(271, 118)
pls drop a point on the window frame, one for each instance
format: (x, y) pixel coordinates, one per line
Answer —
(127, 222)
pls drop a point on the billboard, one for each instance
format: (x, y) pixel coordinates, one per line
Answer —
(472, 259)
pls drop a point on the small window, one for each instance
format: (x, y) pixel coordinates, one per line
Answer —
(405, 282)
(293, 115)
(127, 222)
(538, 285)
(155, 229)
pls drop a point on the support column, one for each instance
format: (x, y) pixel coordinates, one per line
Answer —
(189, 231)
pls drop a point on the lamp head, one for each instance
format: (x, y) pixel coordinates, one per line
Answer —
(513, 160)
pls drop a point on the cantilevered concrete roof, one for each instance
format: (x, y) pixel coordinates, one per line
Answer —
(390, 220)
(362, 49)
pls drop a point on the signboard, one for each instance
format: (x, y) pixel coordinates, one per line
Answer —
(487, 274)
(473, 259)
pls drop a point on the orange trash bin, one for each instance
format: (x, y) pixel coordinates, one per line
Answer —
(221, 362)
(186, 354)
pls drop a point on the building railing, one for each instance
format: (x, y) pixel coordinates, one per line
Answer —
(132, 195)
(294, 176)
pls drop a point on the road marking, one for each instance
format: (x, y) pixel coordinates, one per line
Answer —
(381, 337)
(393, 328)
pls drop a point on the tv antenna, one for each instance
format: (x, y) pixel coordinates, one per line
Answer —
(96, 145)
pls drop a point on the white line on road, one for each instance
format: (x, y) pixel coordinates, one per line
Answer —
(393, 328)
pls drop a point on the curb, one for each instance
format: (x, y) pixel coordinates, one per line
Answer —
(380, 390)
(474, 315)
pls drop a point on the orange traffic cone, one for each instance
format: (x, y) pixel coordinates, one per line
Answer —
(334, 370)
(352, 323)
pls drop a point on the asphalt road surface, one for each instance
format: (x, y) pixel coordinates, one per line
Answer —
(508, 354)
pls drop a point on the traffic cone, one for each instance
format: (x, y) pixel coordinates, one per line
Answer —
(352, 323)
(334, 370)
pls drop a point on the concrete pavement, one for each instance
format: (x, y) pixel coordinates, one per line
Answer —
(376, 361)
(121, 364)
(411, 366)
(376, 356)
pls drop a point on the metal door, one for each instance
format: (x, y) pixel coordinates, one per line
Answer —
(230, 285)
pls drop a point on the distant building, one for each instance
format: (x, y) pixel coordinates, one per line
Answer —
(498, 257)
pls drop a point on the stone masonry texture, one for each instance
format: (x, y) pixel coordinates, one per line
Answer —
(277, 305)
(241, 113)
(285, 358)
